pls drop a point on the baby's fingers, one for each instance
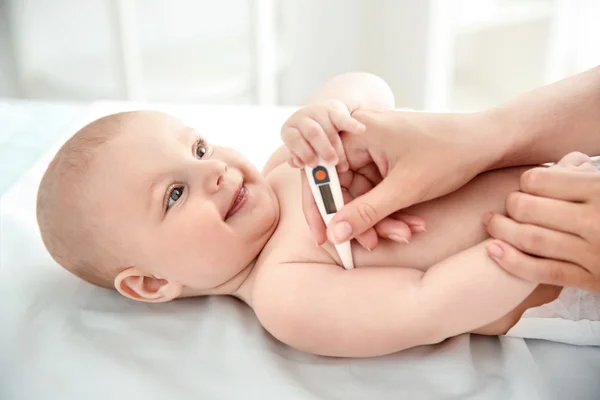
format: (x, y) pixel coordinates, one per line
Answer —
(315, 135)
(399, 227)
(298, 146)
(334, 138)
(294, 161)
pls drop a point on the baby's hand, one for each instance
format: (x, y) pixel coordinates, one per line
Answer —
(313, 131)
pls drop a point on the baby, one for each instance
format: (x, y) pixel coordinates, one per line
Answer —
(141, 203)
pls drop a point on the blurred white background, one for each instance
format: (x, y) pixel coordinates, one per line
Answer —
(455, 55)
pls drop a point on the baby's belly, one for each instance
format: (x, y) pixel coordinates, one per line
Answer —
(454, 223)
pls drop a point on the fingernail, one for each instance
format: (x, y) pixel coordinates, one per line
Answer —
(486, 217)
(340, 232)
(495, 251)
(399, 239)
(418, 228)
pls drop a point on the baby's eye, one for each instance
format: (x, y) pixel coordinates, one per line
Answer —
(174, 195)
(200, 149)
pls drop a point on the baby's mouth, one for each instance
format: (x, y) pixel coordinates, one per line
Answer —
(239, 199)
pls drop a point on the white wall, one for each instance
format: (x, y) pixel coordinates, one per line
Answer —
(68, 47)
(8, 85)
(324, 38)
(201, 50)
(387, 37)
(395, 46)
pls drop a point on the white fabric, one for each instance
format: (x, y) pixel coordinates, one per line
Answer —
(574, 318)
(64, 339)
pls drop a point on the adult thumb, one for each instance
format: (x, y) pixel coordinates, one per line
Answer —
(366, 210)
(369, 118)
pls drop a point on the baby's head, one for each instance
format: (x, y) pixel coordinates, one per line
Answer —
(137, 201)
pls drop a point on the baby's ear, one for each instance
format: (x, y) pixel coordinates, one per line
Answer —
(140, 286)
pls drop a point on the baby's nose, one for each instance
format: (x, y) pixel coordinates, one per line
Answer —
(216, 171)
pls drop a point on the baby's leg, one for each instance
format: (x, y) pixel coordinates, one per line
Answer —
(543, 294)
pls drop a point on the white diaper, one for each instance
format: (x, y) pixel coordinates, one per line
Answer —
(573, 318)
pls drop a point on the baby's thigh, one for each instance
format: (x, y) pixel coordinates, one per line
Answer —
(543, 294)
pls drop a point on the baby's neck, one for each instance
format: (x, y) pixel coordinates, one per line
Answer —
(243, 283)
(239, 286)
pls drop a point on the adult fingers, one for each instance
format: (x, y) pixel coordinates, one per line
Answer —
(393, 229)
(369, 118)
(417, 224)
(541, 270)
(400, 227)
(344, 121)
(368, 239)
(537, 240)
(560, 183)
(550, 213)
(366, 210)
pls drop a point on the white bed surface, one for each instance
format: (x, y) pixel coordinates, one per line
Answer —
(63, 339)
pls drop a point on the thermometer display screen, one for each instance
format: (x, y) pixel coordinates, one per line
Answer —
(327, 197)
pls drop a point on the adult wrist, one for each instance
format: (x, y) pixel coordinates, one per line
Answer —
(494, 143)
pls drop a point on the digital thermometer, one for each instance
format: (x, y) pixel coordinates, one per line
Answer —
(327, 191)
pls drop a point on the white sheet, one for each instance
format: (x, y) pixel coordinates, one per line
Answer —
(63, 339)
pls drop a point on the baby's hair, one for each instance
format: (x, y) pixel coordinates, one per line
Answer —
(68, 230)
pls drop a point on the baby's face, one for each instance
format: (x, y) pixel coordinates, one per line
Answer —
(180, 208)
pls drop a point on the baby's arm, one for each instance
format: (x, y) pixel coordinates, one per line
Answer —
(372, 311)
(355, 90)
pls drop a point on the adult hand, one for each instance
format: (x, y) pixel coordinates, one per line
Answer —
(356, 182)
(407, 158)
(552, 232)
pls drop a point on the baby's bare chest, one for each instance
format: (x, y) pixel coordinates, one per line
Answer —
(292, 240)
